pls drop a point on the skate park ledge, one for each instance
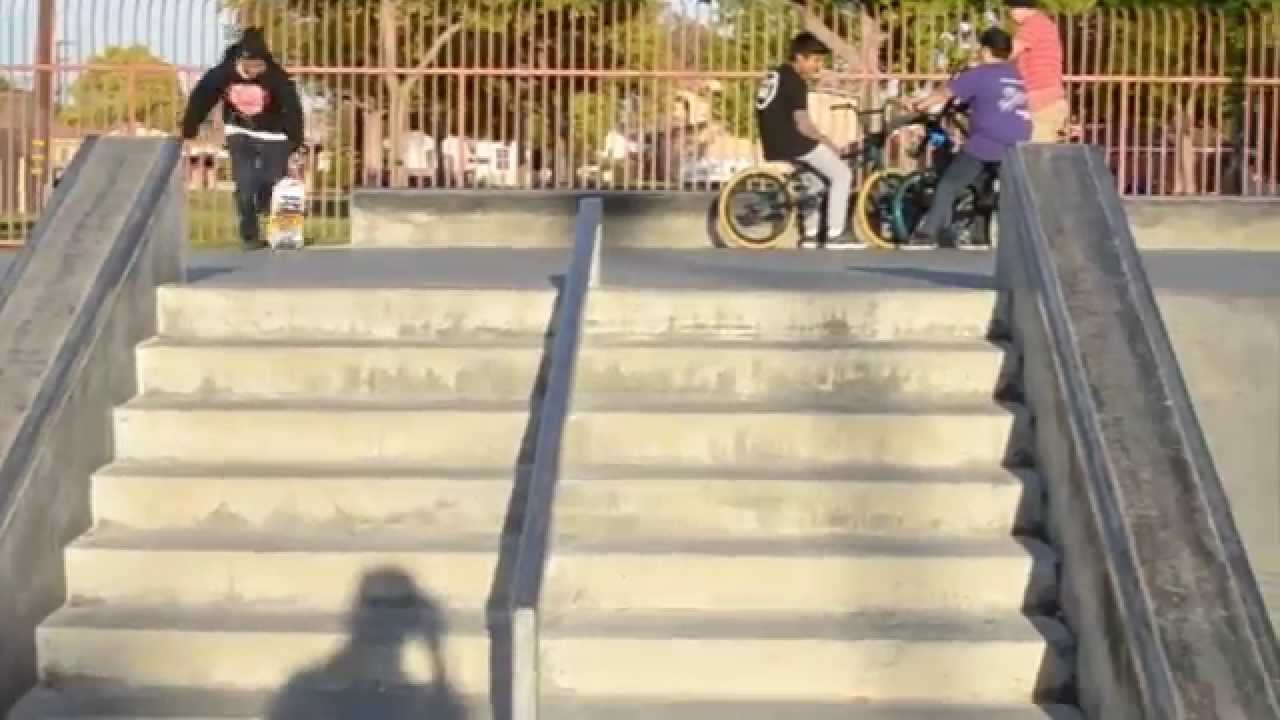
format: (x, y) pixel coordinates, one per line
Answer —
(686, 220)
(73, 307)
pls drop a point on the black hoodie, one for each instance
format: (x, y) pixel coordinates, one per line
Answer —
(265, 106)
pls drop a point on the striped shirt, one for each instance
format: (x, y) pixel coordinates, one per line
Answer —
(1040, 64)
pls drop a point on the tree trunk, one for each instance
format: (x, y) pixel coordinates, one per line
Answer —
(863, 58)
(1184, 154)
(371, 156)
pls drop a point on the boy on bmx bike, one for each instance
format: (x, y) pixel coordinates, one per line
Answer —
(788, 134)
(998, 120)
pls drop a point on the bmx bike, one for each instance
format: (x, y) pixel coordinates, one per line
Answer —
(760, 204)
(907, 198)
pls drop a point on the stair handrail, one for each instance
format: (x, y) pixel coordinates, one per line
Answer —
(1183, 628)
(533, 545)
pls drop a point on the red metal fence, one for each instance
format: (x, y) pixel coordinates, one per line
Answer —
(629, 94)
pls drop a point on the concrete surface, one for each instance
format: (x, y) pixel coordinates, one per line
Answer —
(68, 324)
(345, 488)
(465, 218)
(443, 219)
(1222, 310)
(1129, 479)
(747, 514)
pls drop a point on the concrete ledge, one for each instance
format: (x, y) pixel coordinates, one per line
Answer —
(1156, 583)
(524, 219)
(74, 307)
(1205, 223)
(683, 220)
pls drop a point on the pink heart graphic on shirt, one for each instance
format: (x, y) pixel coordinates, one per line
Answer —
(248, 100)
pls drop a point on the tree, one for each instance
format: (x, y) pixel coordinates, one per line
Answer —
(135, 87)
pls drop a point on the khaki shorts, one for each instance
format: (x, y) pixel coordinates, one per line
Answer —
(1048, 122)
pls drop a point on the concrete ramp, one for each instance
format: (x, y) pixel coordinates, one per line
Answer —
(75, 302)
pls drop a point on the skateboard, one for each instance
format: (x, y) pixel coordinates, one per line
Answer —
(288, 211)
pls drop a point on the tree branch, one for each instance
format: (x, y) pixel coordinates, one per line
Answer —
(430, 56)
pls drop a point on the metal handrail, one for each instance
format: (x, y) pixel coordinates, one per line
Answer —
(533, 546)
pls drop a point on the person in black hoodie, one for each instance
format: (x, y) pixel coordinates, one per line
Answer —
(262, 119)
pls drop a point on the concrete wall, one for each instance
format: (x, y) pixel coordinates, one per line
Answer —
(1228, 347)
(1205, 223)
(74, 310)
(1155, 578)
(467, 218)
(529, 219)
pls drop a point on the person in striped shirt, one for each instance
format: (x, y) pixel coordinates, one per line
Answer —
(1037, 53)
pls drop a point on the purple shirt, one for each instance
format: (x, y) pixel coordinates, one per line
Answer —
(998, 114)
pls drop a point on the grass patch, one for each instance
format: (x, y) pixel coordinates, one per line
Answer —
(211, 215)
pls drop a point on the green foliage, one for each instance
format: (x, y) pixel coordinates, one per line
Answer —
(137, 87)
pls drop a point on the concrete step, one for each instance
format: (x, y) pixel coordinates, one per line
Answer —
(333, 498)
(463, 434)
(883, 657)
(752, 313)
(109, 702)
(438, 314)
(304, 699)
(850, 372)
(376, 370)
(309, 571)
(801, 574)
(788, 436)
(641, 709)
(777, 502)
(243, 648)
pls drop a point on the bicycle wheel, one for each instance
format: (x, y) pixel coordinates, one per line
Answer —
(756, 209)
(911, 201)
(968, 222)
(872, 221)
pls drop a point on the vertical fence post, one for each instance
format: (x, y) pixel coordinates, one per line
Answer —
(40, 156)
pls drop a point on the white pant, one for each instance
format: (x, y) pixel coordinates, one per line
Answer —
(839, 181)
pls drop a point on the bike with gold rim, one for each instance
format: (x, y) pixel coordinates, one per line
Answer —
(759, 205)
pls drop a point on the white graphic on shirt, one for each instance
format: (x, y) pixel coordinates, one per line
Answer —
(768, 90)
(1012, 99)
(248, 99)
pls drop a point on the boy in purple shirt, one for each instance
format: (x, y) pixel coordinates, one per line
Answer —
(998, 119)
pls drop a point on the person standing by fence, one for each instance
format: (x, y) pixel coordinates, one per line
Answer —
(1037, 52)
(262, 121)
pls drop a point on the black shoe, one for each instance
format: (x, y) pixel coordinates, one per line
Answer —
(252, 245)
(919, 241)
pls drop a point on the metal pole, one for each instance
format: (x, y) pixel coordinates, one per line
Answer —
(41, 150)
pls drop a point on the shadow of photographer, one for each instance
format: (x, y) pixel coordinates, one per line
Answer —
(369, 677)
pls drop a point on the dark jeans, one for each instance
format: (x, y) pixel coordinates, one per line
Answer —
(964, 170)
(256, 166)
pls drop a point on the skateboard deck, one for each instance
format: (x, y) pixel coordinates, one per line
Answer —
(288, 211)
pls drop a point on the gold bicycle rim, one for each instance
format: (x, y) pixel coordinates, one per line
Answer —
(861, 225)
(725, 227)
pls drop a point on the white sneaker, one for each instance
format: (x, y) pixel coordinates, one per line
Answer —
(809, 243)
(844, 241)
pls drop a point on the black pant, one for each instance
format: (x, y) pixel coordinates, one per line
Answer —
(963, 171)
(256, 166)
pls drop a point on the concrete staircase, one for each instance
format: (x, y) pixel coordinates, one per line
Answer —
(794, 505)
(307, 510)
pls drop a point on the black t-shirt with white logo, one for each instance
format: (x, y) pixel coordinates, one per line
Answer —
(781, 93)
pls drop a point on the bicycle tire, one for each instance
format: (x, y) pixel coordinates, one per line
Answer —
(862, 209)
(729, 230)
(905, 217)
(898, 217)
